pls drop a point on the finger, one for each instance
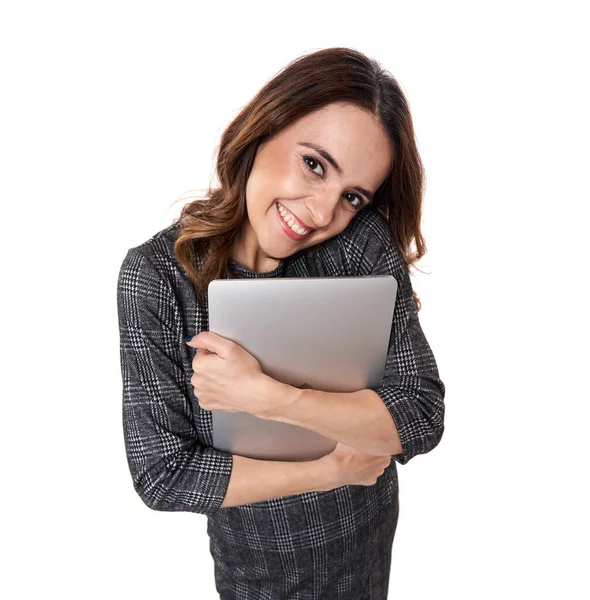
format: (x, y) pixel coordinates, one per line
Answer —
(201, 358)
(210, 341)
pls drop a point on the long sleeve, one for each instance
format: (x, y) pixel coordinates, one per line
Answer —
(171, 469)
(411, 389)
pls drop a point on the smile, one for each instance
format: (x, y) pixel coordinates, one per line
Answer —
(291, 224)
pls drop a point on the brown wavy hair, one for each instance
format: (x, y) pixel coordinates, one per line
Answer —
(209, 225)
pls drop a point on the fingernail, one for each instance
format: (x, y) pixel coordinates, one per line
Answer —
(188, 338)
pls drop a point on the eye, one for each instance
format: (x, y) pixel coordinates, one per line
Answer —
(360, 200)
(315, 162)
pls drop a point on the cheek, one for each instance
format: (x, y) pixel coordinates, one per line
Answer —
(284, 178)
(285, 184)
(265, 187)
(257, 191)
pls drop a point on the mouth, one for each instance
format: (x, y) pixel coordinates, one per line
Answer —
(289, 221)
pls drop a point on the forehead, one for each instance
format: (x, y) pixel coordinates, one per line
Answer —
(353, 136)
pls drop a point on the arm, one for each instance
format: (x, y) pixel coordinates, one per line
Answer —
(411, 392)
(254, 480)
(359, 419)
(171, 469)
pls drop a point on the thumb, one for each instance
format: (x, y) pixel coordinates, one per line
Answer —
(207, 340)
(194, 342)
(200, 340)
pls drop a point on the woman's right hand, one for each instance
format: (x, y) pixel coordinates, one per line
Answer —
(346, 465)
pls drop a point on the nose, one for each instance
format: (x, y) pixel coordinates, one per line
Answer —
(322, 208)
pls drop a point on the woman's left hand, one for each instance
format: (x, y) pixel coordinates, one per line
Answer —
(227, 377)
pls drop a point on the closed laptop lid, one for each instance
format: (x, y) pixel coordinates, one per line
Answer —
(326, 333)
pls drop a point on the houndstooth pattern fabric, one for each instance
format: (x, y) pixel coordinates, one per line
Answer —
(333, 545)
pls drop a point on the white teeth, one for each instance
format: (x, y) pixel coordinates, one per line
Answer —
(291, 222)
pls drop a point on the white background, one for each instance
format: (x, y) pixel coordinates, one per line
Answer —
(112, 110)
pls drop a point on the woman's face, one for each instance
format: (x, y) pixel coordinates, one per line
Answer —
(295, 170)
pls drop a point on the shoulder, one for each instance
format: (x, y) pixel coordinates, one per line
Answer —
(369, 226)
(159, 248)
(366, 239)
(154, 258)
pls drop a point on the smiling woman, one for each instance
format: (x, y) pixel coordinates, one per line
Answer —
(330, 132)
(319, 197)
(319, 177)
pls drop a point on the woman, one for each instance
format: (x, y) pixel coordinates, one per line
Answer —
(319, 176)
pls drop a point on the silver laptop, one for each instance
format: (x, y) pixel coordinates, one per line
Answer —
(326, 333)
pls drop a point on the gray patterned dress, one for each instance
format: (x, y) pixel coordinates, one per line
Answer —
(316, 545)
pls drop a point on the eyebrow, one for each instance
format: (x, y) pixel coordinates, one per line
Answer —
(323, 152)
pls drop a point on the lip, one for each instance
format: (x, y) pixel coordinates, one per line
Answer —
(288, 230)
(301, 223)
